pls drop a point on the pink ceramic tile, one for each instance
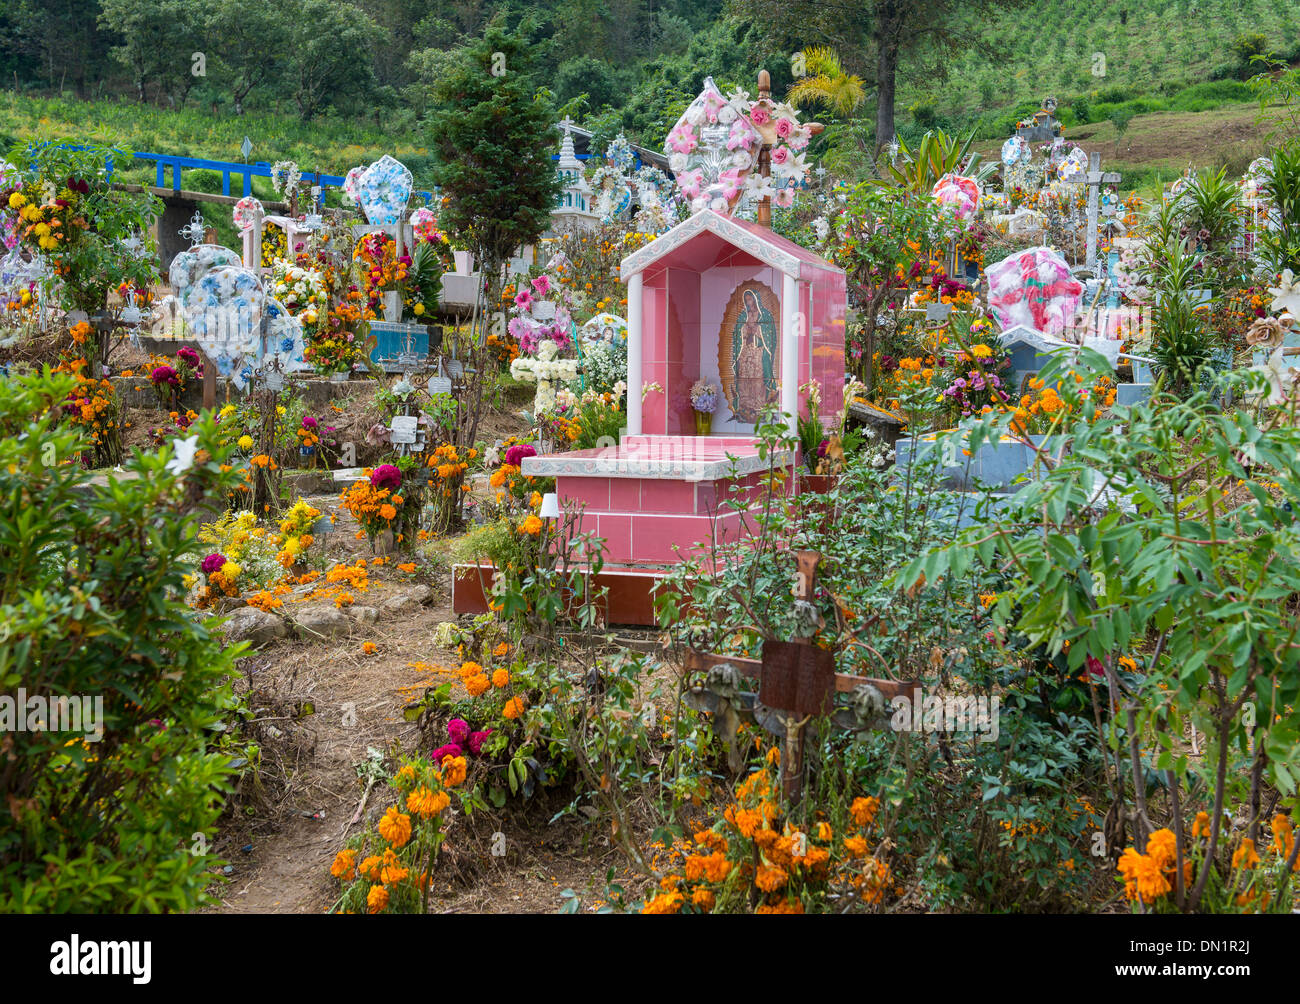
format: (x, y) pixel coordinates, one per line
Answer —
(593, 492)
(617, 533)
(625, 495)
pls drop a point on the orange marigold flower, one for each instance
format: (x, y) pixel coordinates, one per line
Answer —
(395, 827)
(478, 685)
(427, 802)
(369, 648)
(770, 879)
(501, 650)
(514, 708)
(864, 810)
(377, 898)
(387, 512)
(370, 867)
(344, 867)
(454, 770)
(501, 678)
(1162, 845)
(1245, 856)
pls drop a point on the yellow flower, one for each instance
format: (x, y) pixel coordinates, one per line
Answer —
(245, 442)
(230, 570)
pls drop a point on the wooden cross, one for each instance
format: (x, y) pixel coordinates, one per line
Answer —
(798, 685)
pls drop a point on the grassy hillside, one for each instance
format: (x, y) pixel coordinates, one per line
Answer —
(1157, 52)
(329, 145)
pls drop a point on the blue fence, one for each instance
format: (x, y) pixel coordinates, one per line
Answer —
(244, 173)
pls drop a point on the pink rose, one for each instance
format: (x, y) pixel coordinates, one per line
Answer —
(780, 154)
(784, 127)
(760, 115)
(784, 198)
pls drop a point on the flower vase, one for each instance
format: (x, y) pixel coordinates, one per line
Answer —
(703, 423)
(392, 306)
(340, 376)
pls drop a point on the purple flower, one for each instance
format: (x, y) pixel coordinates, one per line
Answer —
(386, 476)
(458, 730)
(308, 422)
(515, 455)
(213, 563)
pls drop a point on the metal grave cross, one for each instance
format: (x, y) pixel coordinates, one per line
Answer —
(798, 685)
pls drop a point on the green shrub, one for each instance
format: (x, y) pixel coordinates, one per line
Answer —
(91, 603)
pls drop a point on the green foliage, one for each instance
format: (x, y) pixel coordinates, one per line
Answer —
(494, 142)
(92, 606)
(1191, 580)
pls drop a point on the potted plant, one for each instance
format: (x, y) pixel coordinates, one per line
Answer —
(705, 396)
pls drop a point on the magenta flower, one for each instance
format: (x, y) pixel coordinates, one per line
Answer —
(308, 422)
(450, 749)
(476, 740)
(188, 356)
(515, 455)
(164, 374)
(542, 285)
(212, 563)
(386, 476)
(458, 730)
(524, 300)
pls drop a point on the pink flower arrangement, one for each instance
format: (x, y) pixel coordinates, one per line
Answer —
(780, 154)
(542, 285)
(524, 299)
(212, 563)
(784, 127)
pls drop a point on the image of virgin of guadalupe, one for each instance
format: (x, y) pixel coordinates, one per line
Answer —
(753, 360)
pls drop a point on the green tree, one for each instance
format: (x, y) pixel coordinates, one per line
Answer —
(157, 40)
(494, 134)
(251, 39)
(331, 55)
(875, 35)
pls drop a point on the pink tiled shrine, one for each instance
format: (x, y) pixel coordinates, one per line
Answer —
(737, 304)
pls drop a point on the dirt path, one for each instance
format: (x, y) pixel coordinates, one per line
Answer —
(325, 704)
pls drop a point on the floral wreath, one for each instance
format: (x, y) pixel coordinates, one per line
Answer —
(285, 177)
(619, 153)
(245, 212)
(750, 124)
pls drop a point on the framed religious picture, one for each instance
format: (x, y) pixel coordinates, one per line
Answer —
(749, 350)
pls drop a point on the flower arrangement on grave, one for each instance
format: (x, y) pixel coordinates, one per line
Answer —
(304, 291)
(387, 869)
(65, 214)
(334, 351)
(386, 498)
(587, 420)
(542, 323)
(705, 398)
(275, 243)
(295, 534)
(713, 149)
(93, 407)
(754, 858)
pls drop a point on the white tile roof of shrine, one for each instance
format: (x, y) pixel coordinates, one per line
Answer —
(768, 247)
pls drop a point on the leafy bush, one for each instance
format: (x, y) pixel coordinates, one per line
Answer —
(91, 601)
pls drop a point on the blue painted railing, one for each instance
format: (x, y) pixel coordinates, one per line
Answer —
(246, 172)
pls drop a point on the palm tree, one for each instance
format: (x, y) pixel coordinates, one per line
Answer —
(827, 84)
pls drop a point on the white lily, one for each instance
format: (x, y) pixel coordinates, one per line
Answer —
(1286, 295)
(1279, 375)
